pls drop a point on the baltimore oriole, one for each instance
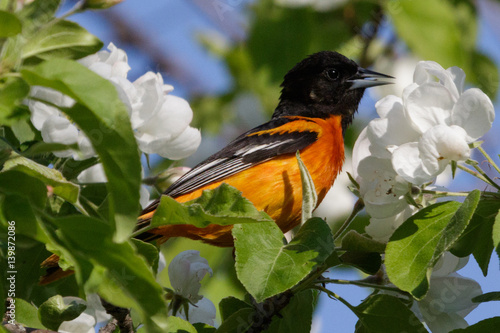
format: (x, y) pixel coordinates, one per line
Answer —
(318, 100)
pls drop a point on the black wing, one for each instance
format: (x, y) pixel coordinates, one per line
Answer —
(249, 149)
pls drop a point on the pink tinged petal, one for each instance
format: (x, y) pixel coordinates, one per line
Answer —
(94, 174)
(429, 105)
(407, 163)
(474, 112)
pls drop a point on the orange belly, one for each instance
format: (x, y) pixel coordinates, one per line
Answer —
(274, 186)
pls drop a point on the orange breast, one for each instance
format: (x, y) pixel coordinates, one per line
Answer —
(275, 186)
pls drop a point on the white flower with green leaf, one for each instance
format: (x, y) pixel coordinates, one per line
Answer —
(161, 121)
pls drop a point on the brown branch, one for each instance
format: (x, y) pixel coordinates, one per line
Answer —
(121, 315)
(110, 327)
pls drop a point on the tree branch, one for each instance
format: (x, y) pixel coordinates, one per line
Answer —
(121, 317)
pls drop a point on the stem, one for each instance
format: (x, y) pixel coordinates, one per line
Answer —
(364, 284)
(475, 174)
(488, 179)
(334, 295)
(77, 8)
(358, 206)
(490, 160)
(445, 193)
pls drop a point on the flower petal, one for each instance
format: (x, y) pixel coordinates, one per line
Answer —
(427, 71)
(473, 112)
(186, 271)
(94, 174)
(442, 144)
(382, 229)
(170, 121)
(407, 163)
(180, 147)
(429, 105)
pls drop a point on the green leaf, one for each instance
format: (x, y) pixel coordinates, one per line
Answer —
(19, 209)
(419, 242)
(51, 177)
(223, 206)
(484, 74)
(27, 314)
(54, 311)
(275, 267)
(309, 195)
(11, 94)
(204, 328)
(229, 305)
(10, 25)
(437, 30)
(496, 234)
(114, 270)
(368, 262)
(63, 39)
(100, 113)
(487, 325)
(149, 252)
(179, 325)
(296, 316)
(488, 297)
(239, 321)
(477, 237)
(354, 241)
(37, 13)
(15, 182)
(384, 313)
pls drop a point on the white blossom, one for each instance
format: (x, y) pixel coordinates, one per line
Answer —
(414, 139)
(87, 320)
(186, 271)
(446, 119)
(448, 300)
(161, 121)
(203, 312)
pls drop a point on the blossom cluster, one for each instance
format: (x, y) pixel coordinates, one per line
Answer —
(412, 142)
(159, 119)
(415, 138)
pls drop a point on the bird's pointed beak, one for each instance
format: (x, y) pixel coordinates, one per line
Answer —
(366, 78)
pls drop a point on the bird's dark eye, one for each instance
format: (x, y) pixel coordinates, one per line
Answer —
(332, 74)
